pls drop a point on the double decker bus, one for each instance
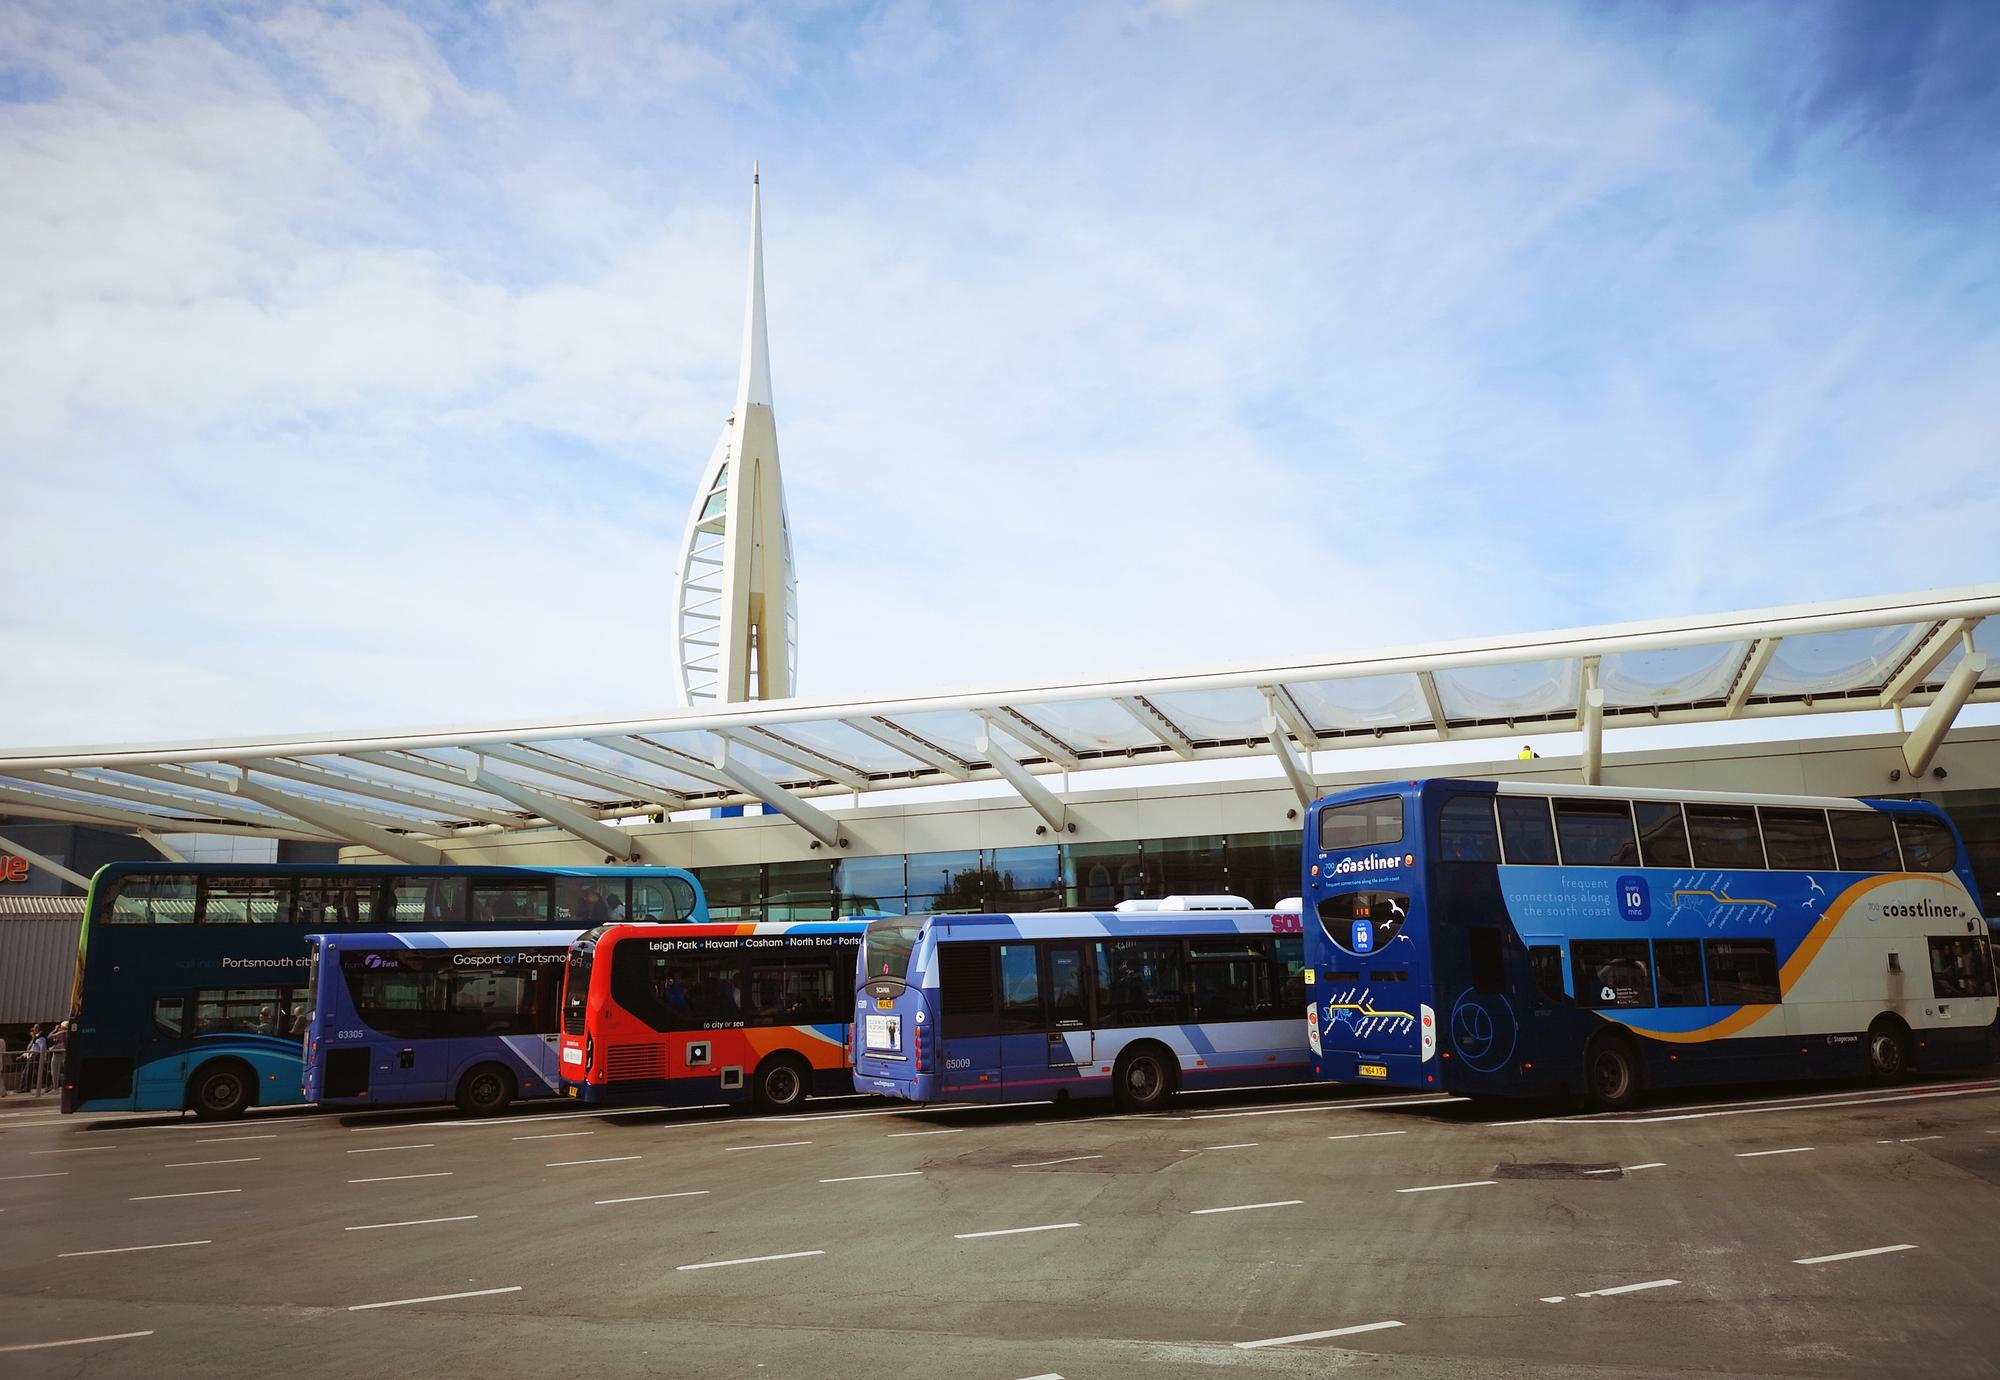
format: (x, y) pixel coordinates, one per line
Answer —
(467, 1017)
(1183, 993)
(191, 988)
(681, 1014)
(1500, 939)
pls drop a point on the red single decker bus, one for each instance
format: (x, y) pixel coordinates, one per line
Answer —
(673, 1015)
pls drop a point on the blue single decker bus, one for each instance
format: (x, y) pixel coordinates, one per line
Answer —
(1131, 1005)
(191, 987)
(466, 1016)
(1500, 939)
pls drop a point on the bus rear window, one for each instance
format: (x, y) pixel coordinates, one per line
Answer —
(576, 988)
(889, 944)
(1361, 824)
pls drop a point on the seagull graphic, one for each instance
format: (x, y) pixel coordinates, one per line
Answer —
(1398, 909)
(1815, 885)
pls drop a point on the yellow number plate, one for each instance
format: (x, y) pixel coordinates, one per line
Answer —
(883, 1003)
(1372, 1070)
(570, 1091)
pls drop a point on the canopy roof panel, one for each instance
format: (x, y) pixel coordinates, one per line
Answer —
(424, 785)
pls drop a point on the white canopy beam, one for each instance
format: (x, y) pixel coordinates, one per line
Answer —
(1925, 659)
(1928, 736)
(804, 758)
(810, 818)
(1032, 736)
(161, 846)
(910, 745)
(139, 795)
(1432, 702)
(1286, 707)
(47, 864)
(668, 758)
(1755, 662)
(1159, 725)
(338, 822)
(1044, 801)
(565, 816)
(441, 807)
(1593, 736)
(1297, 770)
(548, 763)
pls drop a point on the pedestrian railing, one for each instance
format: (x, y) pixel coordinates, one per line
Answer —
(30, 1071)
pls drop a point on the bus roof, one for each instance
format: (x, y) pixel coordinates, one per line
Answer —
(1510, 786)
(1104, 924)
(454, 939)
(499, 873)
(713, 929)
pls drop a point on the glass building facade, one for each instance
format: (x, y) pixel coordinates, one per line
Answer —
(1261, 868)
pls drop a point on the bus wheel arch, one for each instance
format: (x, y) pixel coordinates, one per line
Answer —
(1145, 1076)
(1612, 1073)
(221, 1089)
(1889, 1043)
(782, 1082)
(485, 1089)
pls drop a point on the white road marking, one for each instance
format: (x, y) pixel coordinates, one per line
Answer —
(1046, 1375)
(1807, 1104)
(859, 1178)
(419, 1222)
(556, 1135)
(1627, 1289)
(1247, 1207)
(956, 1130)
(1853, 1255)
(76, 1341)
(1628, 1168)
(1553, 1298)
(1013, 1231)
(198, 1193)
(1433, 1188)
(1758, 1154)
(1367, 1135)
(1233, 1145)
(225, 1140)
(378, 1149)
(749, 1260)
(1317, 1336)
(392, 1178)
(434, 1298)
(773, 1145)
(1332, 1107)
(122, 1250)
(74, 1150)
(651, 1197)
(197, 1164)
(1067, 1159)
(55, 1174)
(608, 1159)
(1912, 1140)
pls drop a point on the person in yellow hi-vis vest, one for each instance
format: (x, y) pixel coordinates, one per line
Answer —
(1528, 752)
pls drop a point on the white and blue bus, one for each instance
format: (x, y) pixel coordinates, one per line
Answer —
(400, 1018)
(1501, 939)
(1198, 992)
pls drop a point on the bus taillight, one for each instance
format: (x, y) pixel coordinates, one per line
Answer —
(917, 1047)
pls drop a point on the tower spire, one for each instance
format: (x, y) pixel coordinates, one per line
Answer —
(753, 379)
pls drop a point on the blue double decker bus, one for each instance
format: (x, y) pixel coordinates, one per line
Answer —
(191, 989)
(1499, 939)
(466, 1016)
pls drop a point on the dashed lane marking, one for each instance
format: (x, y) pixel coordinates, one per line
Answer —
(1367, 1135)
(1629, 1168)
(434, 1298)
(770, 1145)
(1247, 1207)
(378, 1149)
(1435, 1188)
(51, 1174)
(1627, 1289)
(953, 1131)
(392, 1178)
(608, 1159)
(1013, 1231)
(1067, 1159)
(76, 1341)
(1317, 1336)
(74, 1150)
(198, 1193)
(1853, 1255)
(1233, 1145)
(198, 1164)
(418, 1222)
(1759, 1154)
(556, 1135)
(860, 1178)
(652, 1197)
(230, 1140)
(749, 1260)
(123, 1250)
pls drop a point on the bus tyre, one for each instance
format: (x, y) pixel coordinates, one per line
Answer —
(221, 1091)
(485, 1090)
(1888, 1050)
(781, 1083)
(1610, 1073)
(1143, 1079)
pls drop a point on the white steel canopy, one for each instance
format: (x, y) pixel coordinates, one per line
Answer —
(401, 792)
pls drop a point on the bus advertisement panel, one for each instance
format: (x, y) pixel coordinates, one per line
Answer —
(1511, 940)
(191, 981)
(668, 1016)
(1010, 1008)
(467, 1017)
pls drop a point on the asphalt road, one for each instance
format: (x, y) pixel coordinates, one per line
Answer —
(1846, 1232)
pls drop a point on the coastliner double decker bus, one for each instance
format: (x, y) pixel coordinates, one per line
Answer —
(1497, 939)
(467, 1017)
(673, 1015)
(1189, 992)
(191, 977)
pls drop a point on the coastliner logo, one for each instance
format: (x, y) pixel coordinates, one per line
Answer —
(1925, 909)
(1374, 862)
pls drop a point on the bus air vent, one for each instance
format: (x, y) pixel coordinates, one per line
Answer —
(635, 1061)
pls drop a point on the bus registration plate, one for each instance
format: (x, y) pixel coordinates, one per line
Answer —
(884, 1004)
(1371, 1070)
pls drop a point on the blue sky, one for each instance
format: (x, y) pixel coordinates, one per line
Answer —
(359, 360)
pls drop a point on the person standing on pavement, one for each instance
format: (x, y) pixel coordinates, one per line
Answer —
(3, 1065)
(52, 1059)
(31, 1067)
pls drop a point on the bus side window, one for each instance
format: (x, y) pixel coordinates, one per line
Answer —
(968, 1003)
(1465, 830)
(1927, 843)
(1663, 837)
(1291, 971)
(170, 1015)
(1865, 841)
(1489, 971)
(1743, 972)
(1677, 971)
(1546, 962)
(1526, 830)
(1020, 989)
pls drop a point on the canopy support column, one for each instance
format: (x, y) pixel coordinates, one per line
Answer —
(1297, 770)
(46, 864)
(1045, 802)
(161, 846)
(824, 828)
(564, 816)
(1922, 744)
(337, 822)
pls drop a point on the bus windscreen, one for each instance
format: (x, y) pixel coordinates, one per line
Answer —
(888, 947)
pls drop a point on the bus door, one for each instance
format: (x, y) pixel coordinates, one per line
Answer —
(1070, 1038)
(1024, 1029)
(161, 1074)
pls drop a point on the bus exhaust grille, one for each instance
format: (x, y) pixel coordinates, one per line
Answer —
(635, 1061)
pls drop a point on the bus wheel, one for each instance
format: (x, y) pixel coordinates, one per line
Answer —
(220, 1091)
(1611, 1073)
(1143, 1079)
(485, 1090)
(780, 1084)
(1888, 1050)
